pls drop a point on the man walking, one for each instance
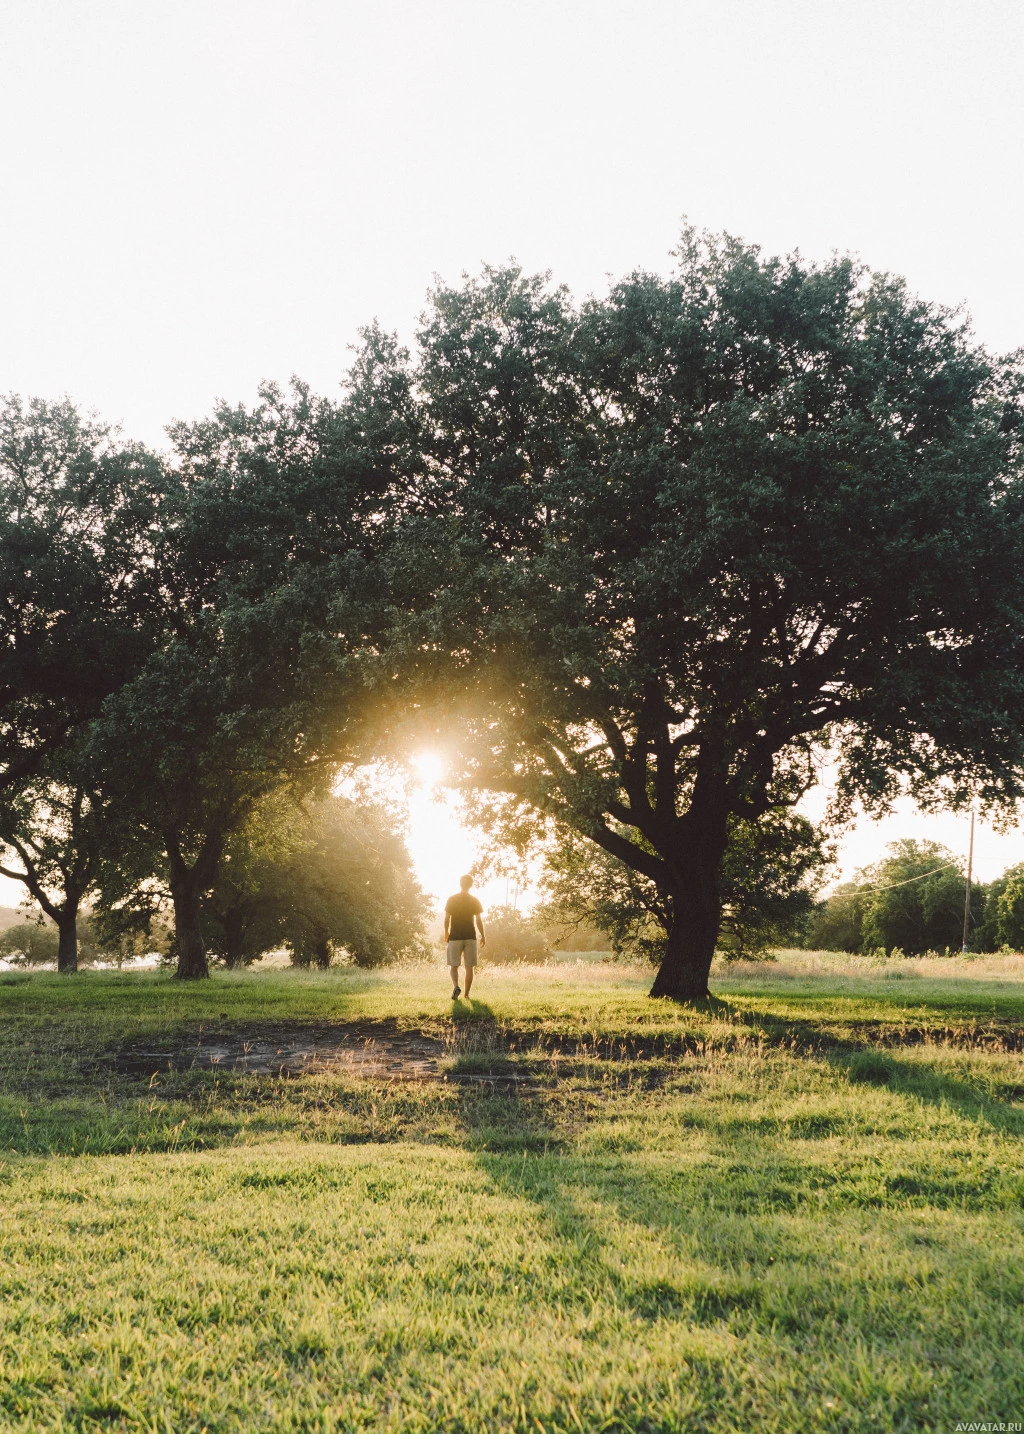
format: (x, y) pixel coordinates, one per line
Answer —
(462, 916)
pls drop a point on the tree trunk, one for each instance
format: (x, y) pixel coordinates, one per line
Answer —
(322, 952)
(696, 907)
(67, 941)
(689, 951)
(187, 890)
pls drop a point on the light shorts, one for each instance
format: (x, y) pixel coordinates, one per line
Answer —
(462, 952)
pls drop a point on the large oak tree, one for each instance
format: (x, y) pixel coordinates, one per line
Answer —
(685, 535)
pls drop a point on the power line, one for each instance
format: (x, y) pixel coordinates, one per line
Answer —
(895, 884)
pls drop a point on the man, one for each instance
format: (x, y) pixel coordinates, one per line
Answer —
(462, 916)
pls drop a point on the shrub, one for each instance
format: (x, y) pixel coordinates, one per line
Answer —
(514, 937)
(30, 943)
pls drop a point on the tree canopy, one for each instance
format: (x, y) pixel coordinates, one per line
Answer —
(79, 513)
(260, 677)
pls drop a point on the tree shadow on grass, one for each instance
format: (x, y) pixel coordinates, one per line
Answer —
(751, 1247)
(710, 1238)
(737, 1210)
(871, 1055)
(388, 1081)
(86, 1103)
(764, 1169)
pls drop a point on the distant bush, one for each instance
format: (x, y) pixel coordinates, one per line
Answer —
(30, 943)
(514, 937)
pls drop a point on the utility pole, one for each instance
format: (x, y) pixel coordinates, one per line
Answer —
(967, 894)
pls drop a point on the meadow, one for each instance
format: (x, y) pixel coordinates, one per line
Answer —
(334, 1202)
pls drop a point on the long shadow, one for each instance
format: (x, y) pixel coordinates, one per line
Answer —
(757, 1173)
(72, 1100)
(870, 1056)
(198, 1086)
(468, 1008)
(723, 1211)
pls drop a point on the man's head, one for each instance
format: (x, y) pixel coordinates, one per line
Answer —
(465, 882)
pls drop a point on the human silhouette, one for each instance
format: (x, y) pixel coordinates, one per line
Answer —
(462, 916)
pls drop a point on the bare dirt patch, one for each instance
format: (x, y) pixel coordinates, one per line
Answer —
(483, 1051)
(373, 1050)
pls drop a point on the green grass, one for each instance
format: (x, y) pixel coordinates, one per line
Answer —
(800, 1208)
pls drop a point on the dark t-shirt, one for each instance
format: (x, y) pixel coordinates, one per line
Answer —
(462, 908)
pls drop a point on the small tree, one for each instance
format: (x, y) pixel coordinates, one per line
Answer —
(511, 936)
(319, 878)
(53, 841)
(30, 943)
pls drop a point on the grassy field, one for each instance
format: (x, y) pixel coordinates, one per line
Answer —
(800, 1208)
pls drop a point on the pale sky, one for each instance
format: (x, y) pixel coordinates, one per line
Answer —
(201, 193)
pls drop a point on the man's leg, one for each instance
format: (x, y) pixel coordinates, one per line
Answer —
(469, 958)
(454, 957)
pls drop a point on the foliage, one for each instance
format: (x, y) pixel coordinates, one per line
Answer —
(837, 923)
(769, 875)
(917, 901)
(683, 535)
(320, 878)
(912, 901)
(264, 559)
(30, 943)
(582, 937)
(77, 518)
(1009, 908)
(585, 886)
(641, 557)
(36, 943)
(511, 936)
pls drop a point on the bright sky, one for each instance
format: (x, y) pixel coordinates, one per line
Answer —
(442, 845)
(202, 193)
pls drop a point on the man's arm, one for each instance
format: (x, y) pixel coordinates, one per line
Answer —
(447, 925)
(480, 923)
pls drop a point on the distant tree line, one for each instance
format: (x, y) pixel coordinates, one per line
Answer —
(634, 561)
(914, 901)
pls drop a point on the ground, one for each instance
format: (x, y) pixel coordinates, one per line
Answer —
(320, 1202)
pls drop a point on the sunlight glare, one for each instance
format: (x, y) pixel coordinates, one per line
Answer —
(429, 768)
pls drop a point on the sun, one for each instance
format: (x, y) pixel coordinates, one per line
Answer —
(429, 768)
